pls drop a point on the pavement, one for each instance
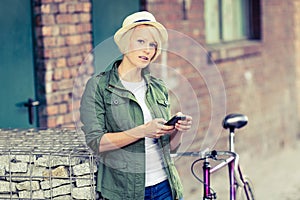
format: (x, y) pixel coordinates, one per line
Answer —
(275, 176)
(278, 177)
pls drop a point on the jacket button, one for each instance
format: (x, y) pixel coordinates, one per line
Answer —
(116, 101)
(166, 102)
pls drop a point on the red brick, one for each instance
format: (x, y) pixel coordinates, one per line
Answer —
(79, 7)
(52, 110)
(50, 31)
(61, 41)
(53, 98)
(87, 7)
(51, 122)
(63, 108)
(74, 60)
(58, 73)
(68, 29)
(66, 73)
(59, 120)
(67, 18)
(66, 84)
(71, 8)
(74, 72)
(85, 17)
(41, 20)
(73, 39)
(49, 8)
(88, 47)
(68, 118)
(67, 95)
(48, 75)
(60, 52)
(74, 50)
(62, 8)
(49, 42)
(61, 62)
(87, 37)
(84, 28)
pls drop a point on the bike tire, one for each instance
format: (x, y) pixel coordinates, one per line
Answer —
(247, 189)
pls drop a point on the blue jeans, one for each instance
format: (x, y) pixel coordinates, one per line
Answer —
(161, 191)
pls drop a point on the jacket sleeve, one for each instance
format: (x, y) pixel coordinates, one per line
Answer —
(92, 114)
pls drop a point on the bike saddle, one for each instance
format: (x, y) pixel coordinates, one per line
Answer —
(233, 121)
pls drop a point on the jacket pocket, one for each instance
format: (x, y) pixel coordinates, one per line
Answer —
(115, 164)
(114, 176)
(117, 113)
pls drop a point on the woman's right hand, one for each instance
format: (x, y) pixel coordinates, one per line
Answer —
(156, 128)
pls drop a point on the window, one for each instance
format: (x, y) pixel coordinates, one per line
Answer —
(231, 20)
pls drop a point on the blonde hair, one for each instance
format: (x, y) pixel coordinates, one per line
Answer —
(125, 40)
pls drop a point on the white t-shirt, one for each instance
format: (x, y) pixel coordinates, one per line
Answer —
(155, 170)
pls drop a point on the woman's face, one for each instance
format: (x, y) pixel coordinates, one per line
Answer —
(142, 47)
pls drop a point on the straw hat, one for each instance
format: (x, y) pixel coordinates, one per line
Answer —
(140, 18)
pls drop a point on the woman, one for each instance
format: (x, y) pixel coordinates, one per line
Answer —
(123, 112)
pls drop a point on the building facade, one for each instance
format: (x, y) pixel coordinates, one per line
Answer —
(253, 47)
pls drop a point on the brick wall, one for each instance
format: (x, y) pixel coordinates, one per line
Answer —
(259, 77)
(63, 39)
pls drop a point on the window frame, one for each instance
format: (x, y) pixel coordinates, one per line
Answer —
(248, 46)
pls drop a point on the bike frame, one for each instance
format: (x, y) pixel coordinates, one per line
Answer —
(207, 171)
(230, 159)
(235, 173)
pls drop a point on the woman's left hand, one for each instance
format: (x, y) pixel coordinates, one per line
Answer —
(184, 125)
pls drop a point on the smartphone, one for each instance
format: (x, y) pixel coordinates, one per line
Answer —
(174, 119)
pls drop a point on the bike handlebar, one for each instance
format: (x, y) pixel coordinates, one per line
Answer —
(205, 154)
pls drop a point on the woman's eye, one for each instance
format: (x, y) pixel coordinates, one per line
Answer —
(153, 45)
(141, 41)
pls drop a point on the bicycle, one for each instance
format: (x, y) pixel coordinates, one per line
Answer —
(241, 188)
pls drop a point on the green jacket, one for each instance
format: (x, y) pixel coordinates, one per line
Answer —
(106, 106)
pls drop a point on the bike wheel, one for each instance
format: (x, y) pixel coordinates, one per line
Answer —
(246, 192)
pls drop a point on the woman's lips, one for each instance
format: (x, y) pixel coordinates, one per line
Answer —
(144, 57)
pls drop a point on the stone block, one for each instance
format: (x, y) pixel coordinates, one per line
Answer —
(6, 186)
(28, 185)
(62, 190)
(60, 172)
(53, 161)
(39, 194)
(85, 168)
(86, 180)
(83, 193)
(54, 183)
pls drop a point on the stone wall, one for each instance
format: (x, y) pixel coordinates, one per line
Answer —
(45, 164)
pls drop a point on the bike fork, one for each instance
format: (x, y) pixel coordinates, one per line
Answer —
(207, 195)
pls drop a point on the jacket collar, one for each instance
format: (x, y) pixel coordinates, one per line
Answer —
(114, 79)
